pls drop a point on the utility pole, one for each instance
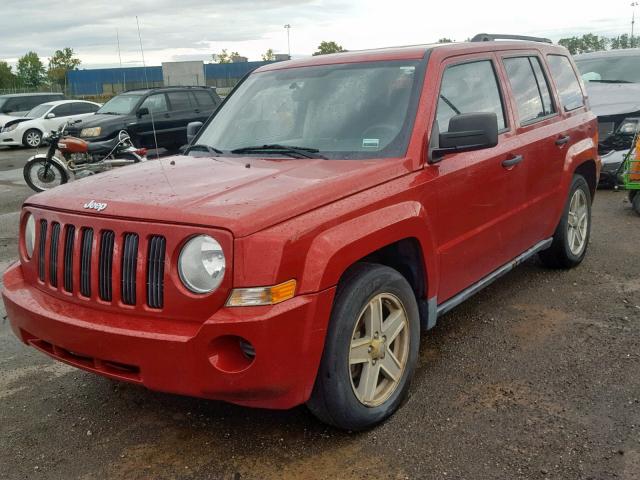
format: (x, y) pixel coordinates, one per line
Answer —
(633, 19)
(288, 27)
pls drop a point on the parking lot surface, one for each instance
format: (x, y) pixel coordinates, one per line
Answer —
(535, 377)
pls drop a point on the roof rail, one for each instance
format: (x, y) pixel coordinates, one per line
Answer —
(487, 37)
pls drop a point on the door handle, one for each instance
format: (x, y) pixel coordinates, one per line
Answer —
(512, 161)
(563, 140)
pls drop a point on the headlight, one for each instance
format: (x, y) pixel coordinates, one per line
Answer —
(10, 128)
(629, 126)
(90, 132)
(30, 235)
(201, 264)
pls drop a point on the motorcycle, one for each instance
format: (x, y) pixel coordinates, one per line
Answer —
(79, 158)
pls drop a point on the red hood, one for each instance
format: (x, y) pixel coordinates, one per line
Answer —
(220, 192)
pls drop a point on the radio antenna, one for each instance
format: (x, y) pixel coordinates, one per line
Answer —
(120, 57)
(146, 82)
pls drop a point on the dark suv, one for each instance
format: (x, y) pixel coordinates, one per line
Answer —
(167, 109)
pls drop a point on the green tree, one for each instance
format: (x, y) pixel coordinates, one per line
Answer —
(60, 63)
(268, 56)
(329, 47)
(222, 57)
(586, 43)
(7, 77)
(624, 41)
(31, 71)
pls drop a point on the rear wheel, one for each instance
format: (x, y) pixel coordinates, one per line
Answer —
(40, 178)
(32, 138)
(571, 238)
(371, 349)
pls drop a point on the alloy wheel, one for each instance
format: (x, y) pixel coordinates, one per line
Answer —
(578, 222)
(379, 349)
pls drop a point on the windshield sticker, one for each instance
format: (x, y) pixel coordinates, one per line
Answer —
(370, 143)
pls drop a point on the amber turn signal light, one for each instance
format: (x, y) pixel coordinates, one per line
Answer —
(251, 297)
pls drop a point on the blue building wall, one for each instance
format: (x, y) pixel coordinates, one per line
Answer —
(112, 80)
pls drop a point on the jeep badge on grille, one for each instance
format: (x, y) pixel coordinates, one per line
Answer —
(97, 206)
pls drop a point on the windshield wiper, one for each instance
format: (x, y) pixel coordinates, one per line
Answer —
(610, 81)
(201, 147)
(305, 152)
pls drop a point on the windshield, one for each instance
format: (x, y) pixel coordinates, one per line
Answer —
(120, 105)
(361, 110)
(38, 111)
(611, 69)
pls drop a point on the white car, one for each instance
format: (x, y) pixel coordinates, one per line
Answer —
(44, 118)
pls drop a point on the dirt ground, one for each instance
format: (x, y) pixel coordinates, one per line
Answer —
(537, 376)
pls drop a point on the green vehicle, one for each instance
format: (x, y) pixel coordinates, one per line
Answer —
(630, 172)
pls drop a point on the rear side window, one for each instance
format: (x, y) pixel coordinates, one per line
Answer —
(180, 100)
(81, 107)
(530, 88)
(469, 88)
(204, 99)
(567, 82)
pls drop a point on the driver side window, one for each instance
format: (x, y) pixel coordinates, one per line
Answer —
(155, 103)
(469, 88)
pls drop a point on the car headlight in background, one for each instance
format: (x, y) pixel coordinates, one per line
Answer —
(629, 126)
(201, 264)
(90, 132)
(29, 235)
(10, 128)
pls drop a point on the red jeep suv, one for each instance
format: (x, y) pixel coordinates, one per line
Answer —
(327, 213)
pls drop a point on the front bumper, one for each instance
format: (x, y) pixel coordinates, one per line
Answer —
(611, 163)
(10, 139)
(196, 359)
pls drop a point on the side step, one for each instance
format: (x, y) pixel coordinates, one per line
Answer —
(430, 312)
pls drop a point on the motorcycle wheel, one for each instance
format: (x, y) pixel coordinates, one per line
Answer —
(34, 175)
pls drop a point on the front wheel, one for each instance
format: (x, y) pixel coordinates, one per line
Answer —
(39, 178)
(571, 237)
(32, 138)
(371, 349)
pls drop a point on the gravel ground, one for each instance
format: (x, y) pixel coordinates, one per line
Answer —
(537, 376)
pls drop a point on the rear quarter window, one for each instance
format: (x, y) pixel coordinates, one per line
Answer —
(567, 82)
(204, 99)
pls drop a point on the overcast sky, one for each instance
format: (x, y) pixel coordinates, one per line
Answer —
(193, 29)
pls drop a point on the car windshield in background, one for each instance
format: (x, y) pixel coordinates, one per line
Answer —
(38, 111)
(610, 69)
(120, 105)
(361, 110)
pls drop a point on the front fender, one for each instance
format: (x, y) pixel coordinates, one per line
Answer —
(43, 156)
(340, 246)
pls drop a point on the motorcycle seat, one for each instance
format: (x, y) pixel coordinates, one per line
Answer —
(105, 146)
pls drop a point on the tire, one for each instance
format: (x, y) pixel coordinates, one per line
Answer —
(635, 201)
(33, 173)
(338, 397)
(570, 242)
(32, 138)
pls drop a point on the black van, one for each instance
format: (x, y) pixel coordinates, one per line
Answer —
(18, 104)
(151, 115)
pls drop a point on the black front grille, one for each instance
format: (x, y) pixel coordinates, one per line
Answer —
(105, 285)
(129, 267)
(42, 248)
(85, 261)
(68, 257)
(155, 271)
(53, 254)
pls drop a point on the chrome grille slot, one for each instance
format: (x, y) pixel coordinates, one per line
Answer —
(155, 271)
(53, 254)
(68, 257)
(85, 261)
(129, 268)
(105, 286)
(42, 248)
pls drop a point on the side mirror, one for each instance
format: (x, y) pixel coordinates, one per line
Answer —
(467, 131)
(49, 116)
(142, 111)
(192, 130)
